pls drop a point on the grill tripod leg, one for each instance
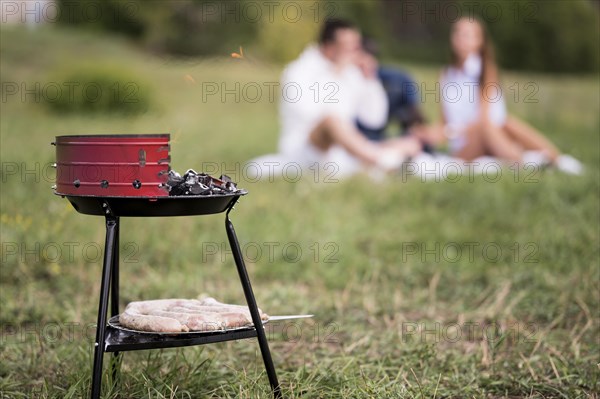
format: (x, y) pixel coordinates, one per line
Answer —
(114, 299)
(109, 252)
(260, 331)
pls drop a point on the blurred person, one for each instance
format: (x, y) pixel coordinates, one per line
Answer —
(324, 93)
(401, 90)
(475, 122)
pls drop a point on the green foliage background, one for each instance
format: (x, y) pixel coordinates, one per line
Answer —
(537, 35)
(99, 87)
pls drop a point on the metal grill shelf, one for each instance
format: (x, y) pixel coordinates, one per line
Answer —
(119, 340)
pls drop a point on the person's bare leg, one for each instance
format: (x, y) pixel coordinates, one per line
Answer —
(499, 144)
(491, 140)
(532, 139)
(332, 130)
(320, 137)
(474, 147)
(529, 138)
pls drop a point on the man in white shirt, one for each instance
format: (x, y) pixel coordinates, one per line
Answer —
(324, 94)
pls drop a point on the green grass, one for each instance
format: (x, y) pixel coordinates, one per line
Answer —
(386, 310)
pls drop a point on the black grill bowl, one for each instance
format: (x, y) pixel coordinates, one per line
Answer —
(187, 205)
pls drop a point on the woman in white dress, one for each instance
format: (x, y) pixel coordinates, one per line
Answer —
(475, 121)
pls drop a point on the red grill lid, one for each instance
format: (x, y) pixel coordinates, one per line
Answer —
(112, 165)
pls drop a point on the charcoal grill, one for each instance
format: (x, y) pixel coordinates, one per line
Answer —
(95, 200)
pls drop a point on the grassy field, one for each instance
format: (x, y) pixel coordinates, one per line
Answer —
(482, 288)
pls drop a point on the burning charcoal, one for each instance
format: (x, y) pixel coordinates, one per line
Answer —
(199, 189)
(174, 178)
(205, 179)
(194, 183)
(228, 184)
(190, 177)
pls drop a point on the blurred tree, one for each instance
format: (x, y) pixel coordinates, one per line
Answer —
(109, 15)
(544, 35)
(285, 34)
(201, 27)
(541, 35)
(183, 27)
(553, 36)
